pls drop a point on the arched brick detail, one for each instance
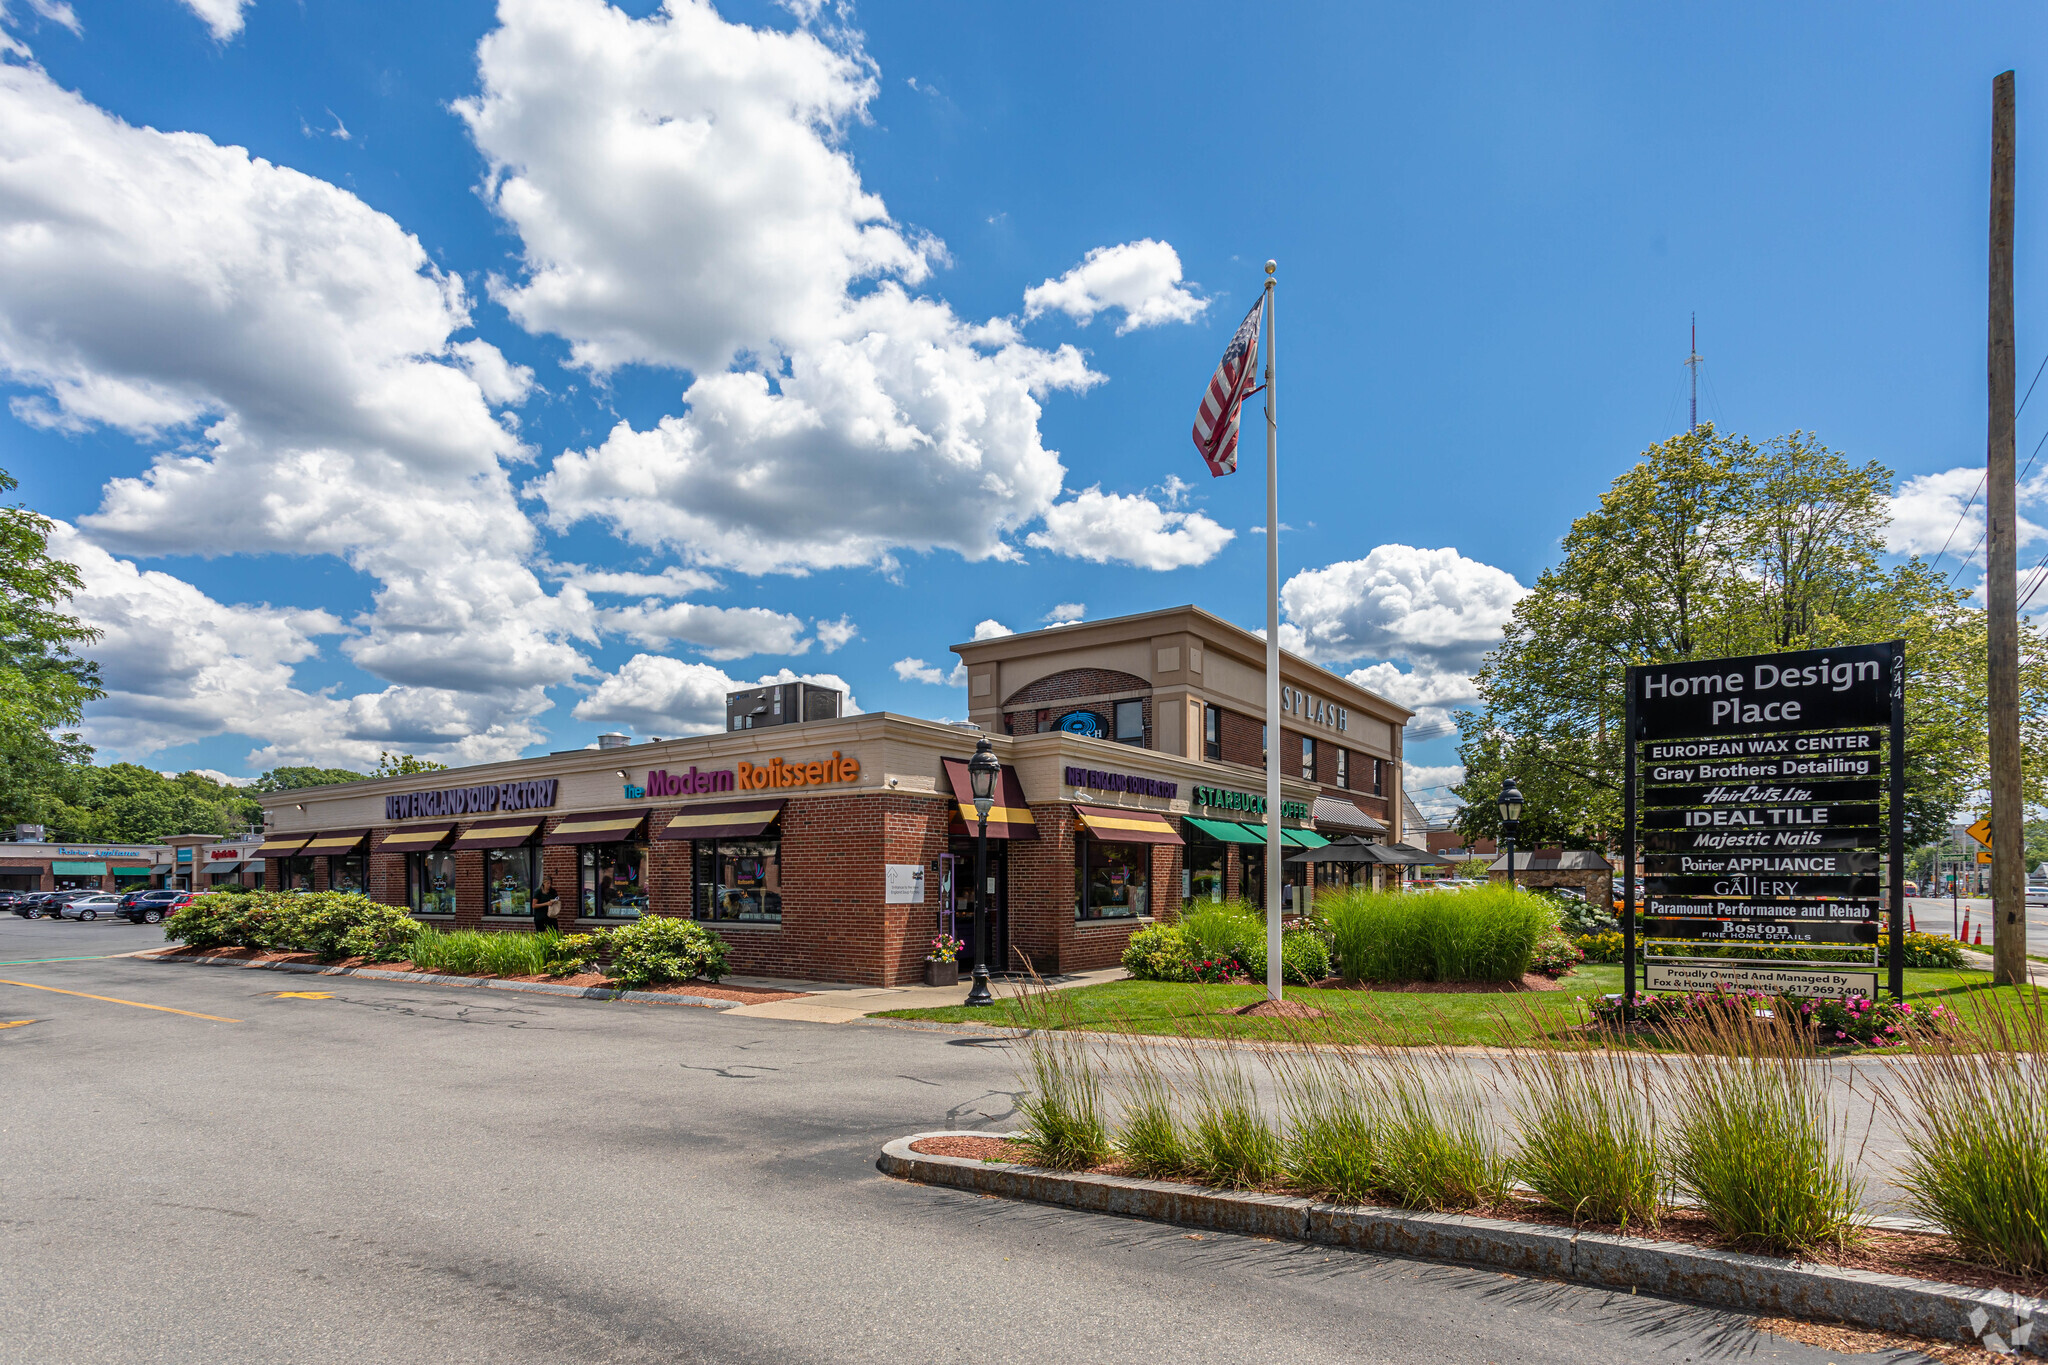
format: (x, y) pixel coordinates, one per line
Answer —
(1077, 682)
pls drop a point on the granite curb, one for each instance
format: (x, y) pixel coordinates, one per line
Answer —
(478, 982)
(1999, 1320)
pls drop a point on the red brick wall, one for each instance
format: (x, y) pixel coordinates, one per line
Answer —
(1077, 682)
(1240, 740)
(1041, 891)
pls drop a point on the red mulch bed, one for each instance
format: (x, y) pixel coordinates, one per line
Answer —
(1534, 981)
(746, 995)
(1924, 1255)
(1854, 1341)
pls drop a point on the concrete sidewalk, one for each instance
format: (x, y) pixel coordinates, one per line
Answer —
(831, 1003)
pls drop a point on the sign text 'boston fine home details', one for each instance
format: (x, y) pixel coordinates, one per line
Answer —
(535, 795)
(1759, 814)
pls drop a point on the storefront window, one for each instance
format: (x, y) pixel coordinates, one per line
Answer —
(1112, 881)
(430, 881)
(1202, 864)
(295, 874)
(1130, 722)
(345, 873)
(741, 881)
(510, 875)
(613, 881)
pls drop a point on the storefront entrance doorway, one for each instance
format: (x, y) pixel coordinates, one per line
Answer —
(968, 899)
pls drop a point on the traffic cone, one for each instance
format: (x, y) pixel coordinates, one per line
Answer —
(1980, 936)
(1912, 924)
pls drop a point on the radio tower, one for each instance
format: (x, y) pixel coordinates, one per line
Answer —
(1692, 362)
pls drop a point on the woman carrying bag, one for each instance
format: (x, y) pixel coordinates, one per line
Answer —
(545, 904)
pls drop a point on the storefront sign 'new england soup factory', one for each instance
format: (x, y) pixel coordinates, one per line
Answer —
(1760, 819)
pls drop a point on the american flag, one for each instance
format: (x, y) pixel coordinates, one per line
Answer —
(1216, 423)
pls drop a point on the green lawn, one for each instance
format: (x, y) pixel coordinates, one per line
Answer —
(1164, 1008)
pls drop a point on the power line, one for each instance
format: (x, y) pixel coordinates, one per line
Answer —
(1980, 482)
(1980, 488)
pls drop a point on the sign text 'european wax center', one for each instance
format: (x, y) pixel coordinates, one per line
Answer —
(1813, 689)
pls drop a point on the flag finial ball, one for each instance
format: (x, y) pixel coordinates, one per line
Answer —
(1270, 267)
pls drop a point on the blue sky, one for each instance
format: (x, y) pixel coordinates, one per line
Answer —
(335, 492)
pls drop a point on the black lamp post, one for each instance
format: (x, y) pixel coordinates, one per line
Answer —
(982, 771)
(1510, 822)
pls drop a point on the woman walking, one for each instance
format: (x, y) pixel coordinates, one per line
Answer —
(545, 903)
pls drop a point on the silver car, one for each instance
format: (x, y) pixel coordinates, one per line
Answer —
(2037, 893)
(90, 907)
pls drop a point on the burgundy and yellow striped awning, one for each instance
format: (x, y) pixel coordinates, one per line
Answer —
(600, 827)
(505, 832)
(331, 843)
(415, 838)
(723, 820)
(281, 845)
(1009, 818)
(1114, 826)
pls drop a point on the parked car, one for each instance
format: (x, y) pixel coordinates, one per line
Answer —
(89, 907)
(149, 894)
(2037, 893)
(10, 899)
(149, 907)
(47, 903)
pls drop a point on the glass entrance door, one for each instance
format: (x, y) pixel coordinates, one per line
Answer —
(968, 901)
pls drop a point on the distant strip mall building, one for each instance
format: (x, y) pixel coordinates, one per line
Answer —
(837, 848)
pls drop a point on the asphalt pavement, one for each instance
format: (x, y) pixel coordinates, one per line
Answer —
(210, 1164)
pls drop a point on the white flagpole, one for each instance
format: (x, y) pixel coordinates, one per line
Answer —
(1274, 848)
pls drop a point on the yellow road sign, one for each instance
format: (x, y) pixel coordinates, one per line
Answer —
(1981, 832)
(1983, 855)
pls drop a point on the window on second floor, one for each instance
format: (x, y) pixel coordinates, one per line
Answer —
(1130, 723)
(1212, 732)
(1379, 777)
(1308, 759)
(1344, 767)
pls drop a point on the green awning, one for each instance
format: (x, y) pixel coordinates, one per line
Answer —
(1230, 831)
(134, 872)
(1303, 838)
(78, 869)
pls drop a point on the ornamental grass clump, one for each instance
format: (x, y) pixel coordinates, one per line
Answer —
(1148, 1137)
(1230, 1142)
(1482, 933)
(1332, 1125)
(1437, 1144)
(1972, 1103)
(1756, 1142)
(1590, 1144)
(1062, 1088)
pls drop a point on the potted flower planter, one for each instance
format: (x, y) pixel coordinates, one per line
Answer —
(941, 973)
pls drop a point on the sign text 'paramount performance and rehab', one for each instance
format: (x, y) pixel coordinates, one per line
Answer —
(1762, 819)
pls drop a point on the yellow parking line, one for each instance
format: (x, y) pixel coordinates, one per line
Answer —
(112, 1001)
(14, 1023)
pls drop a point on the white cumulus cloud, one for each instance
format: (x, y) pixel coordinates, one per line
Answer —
(657, 695)
(991, 629)
(222, 17)
(721, 632)
(1141, 279)
(917, 670)
(1129, 528)
(1401, 602)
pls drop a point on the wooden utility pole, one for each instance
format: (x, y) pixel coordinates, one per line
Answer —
(2001, 568)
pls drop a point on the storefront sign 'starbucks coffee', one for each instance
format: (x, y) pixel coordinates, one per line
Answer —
(1760, 816)
(1222, 798)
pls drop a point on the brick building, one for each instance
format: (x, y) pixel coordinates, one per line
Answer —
(836, 849)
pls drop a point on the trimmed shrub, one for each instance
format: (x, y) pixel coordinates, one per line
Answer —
(1555, 954)
(211, 921)
(1158, 953)
(1923, 950)
(1304, 957)
(1483, 933)
(568, 954)
(328, 924)
(656, 949)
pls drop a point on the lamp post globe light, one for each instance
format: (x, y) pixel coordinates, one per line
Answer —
(1510, 822)
(982, 771)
